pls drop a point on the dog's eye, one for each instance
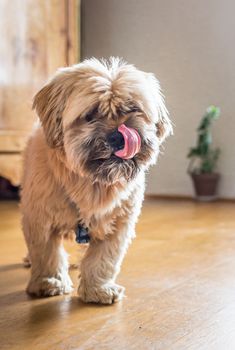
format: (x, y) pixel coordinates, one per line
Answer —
(135, 109)
(130, 109)
(90, 116)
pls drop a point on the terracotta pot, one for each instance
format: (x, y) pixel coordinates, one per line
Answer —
(205, 186)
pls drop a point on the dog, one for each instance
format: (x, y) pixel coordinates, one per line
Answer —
(101, 126)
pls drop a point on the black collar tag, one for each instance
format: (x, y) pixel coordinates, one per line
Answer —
(82, 235)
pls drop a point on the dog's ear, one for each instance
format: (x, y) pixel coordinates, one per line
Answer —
(164, 127)
(163, 124)
(49, 103)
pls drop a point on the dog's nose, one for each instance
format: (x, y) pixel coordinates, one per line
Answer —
(116, 140)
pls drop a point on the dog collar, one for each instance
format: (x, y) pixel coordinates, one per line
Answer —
(82, 235)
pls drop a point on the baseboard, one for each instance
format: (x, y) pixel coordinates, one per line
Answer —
(183, 198)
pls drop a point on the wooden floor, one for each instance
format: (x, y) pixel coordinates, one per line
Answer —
(179, 276)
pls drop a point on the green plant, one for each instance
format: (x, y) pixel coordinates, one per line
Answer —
(203, 156)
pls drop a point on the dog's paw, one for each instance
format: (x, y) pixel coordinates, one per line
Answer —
(105, 294)
(51, 286)
(26, 261)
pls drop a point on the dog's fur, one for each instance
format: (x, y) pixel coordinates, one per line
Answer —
(71, 176)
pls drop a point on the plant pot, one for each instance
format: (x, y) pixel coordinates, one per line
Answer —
(205, 186)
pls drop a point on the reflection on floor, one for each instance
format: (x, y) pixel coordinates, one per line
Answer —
(179, 278)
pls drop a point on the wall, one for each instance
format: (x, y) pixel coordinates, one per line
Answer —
(189, 45)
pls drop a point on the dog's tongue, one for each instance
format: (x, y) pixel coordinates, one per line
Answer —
(132, 142)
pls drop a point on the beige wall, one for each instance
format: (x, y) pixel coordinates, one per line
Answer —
(190, 46)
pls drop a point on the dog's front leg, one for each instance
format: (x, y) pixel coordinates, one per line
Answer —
(100, 267)
(49, 264)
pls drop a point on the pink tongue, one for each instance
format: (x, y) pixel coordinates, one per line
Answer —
(132, 142)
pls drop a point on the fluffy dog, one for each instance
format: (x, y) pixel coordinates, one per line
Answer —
(102, 123)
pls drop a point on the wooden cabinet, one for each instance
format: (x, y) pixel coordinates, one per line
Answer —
(37, 37)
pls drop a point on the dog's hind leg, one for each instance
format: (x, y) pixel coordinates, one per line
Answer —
(49, 263)
(100, 267)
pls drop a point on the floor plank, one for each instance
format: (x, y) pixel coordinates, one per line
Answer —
(179, 278)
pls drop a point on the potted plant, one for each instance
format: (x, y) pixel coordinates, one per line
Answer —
(203, 158)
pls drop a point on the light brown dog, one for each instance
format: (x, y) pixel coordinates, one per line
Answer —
(101, 127)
